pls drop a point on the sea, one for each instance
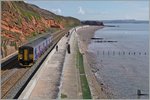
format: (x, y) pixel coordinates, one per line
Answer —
(122, 59)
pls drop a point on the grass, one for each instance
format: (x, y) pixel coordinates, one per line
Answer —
(80, 62)
(63, 96)
(26, 13)
(5, 50)
(86, 93)
(19, 21)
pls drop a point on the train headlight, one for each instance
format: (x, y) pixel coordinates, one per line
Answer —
(20, 56)
(31, 56)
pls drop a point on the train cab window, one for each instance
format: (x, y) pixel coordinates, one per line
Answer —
(21, 50)
(30, 50)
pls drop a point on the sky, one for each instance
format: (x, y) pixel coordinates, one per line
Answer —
(97, 9)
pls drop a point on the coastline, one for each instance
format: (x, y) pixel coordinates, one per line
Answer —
(84, 38)
(85, 35)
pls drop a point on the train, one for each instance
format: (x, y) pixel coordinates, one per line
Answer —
(29, 53)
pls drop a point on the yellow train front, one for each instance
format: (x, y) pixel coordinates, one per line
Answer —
(28, 54)
(25, 56)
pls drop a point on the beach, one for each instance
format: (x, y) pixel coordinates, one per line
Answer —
(85, 34)
(84, 38)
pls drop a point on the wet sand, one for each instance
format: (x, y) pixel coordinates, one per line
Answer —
(84, 38)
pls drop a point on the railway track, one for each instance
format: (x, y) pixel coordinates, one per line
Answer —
(12, 74)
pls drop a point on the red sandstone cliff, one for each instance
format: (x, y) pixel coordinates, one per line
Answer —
(21, 21)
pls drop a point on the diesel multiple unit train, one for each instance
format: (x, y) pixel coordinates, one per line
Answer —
(29, 53)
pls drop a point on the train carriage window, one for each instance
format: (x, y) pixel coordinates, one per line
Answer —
(39, 49)
(43, 45)
(46, 42)
(36, 54)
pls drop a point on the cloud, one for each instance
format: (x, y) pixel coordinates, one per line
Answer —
(81, 11)
(25, 1)
(57, 11)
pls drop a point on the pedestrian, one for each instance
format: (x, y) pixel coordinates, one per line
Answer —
(75, 29)
(56, 47)
(68, 48)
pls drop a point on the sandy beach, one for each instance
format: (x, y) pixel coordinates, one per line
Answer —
(85, 34)
(84, 38)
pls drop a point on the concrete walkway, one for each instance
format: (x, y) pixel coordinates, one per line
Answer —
(71, 87)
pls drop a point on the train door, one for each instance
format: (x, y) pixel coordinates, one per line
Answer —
(26, 54)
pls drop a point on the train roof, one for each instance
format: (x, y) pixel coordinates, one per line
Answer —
(37, 41)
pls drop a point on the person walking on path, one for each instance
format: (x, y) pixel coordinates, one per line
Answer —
(68, 48)
(56, 47)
